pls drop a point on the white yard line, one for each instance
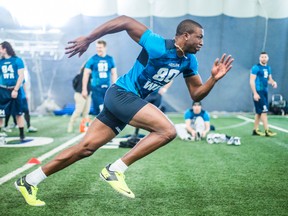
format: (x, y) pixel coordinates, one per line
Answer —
(41, 158)
(270, 126)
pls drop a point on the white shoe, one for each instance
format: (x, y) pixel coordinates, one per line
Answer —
(32, 129)
(2, 141)
(237, 141)
(234, 141)
(6, 129)
(3, 134)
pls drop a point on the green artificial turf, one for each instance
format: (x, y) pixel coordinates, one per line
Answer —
(181, 178)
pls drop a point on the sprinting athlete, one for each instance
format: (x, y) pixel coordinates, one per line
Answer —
(102, 69)
(159, 62)
(11, 79)
(260, 77)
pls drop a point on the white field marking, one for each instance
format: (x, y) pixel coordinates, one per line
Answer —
(270, 126)
(41, 158)
(111, 145)
(35, 141)
(234, 126)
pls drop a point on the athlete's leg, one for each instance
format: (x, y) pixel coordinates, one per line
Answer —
(256, 121)
(79, 106)
(97, 135)
(87, 105)
(161, 130)
(264, 120)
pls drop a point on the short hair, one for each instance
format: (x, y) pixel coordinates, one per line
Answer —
(9, 49)
(196, 103)
(263, 53)
(187, 25)
(102, 42)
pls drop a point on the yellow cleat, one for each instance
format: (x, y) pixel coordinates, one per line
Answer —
(269, 133)
(257, 132)
(29, 192)
(117, 181)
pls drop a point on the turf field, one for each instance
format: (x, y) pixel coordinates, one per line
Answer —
(182, 178)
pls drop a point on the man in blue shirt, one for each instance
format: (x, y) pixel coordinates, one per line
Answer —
(197, 121)
(260, 77)
(159, 62)
(102, 69)
(11, 79)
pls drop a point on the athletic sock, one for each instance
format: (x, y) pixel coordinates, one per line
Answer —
(21, 131)
(35, 177)
(119, 166)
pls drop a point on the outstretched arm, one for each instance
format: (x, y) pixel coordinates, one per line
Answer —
(197, 90)
(134, 28)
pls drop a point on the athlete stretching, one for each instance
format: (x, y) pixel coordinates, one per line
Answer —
(158, 63)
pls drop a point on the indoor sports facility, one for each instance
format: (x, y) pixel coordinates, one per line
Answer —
(185, 177)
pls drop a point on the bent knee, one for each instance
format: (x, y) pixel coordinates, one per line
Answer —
(85, 151)
(170, 133)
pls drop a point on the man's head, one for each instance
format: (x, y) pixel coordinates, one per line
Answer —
(101, 48)
(6, 50)
(189, 36)
(197, 107)
(263, 58)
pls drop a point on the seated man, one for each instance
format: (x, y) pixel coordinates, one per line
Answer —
(197, 123)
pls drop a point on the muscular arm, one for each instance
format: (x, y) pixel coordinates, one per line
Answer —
(197, 90)
(134, 29)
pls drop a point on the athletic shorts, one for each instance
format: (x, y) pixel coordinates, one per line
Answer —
(155, 98)
(97, 96)
(120, 106)
(261, 106)
(9, 105)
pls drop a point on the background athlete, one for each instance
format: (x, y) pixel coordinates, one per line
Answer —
(260, 77)
(11, 79)
(158, 63)
(102, 69)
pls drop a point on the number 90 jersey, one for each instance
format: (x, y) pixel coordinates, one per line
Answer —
(156, 65)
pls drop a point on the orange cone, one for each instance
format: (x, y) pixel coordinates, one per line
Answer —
(85, 123)
(34, 161)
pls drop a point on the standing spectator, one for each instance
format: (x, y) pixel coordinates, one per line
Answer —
(260, 77)
(11, 79)
(82, 104)
(102, 69)
(25, 109)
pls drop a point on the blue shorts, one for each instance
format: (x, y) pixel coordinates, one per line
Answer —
(9, 105)
(120, 107)
(261, 106)
(97, 96)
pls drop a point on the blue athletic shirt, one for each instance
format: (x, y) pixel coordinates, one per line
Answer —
(262, 74)
(100, 70)
(9, 70)
(156, 65)
(189, 114)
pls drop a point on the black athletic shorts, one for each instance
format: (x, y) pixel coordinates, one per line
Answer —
(9, 105)
(120, 106)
